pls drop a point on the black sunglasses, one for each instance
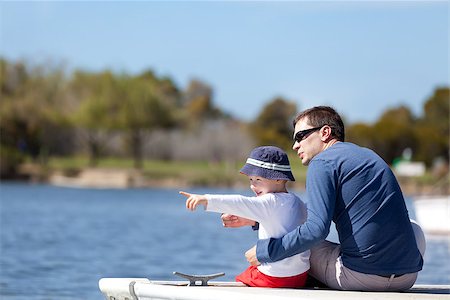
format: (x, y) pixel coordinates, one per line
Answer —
(302, 134)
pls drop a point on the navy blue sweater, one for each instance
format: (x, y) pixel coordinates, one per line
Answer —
(353, 187)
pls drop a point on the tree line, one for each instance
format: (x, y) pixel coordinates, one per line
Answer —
(46, 112)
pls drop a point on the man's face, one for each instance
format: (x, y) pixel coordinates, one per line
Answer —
(311, 143)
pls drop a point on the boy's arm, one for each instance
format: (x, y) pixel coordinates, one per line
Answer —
(251, 208)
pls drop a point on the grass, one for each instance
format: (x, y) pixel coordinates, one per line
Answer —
(199, 173)
(218, 174)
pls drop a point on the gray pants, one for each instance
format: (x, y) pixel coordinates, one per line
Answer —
(327, 267)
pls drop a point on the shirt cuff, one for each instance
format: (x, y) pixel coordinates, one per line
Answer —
(262, 251)
(256, 226)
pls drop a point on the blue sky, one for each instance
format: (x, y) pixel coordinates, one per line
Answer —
(360, 57)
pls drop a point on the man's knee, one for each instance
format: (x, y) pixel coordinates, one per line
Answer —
(420, 237)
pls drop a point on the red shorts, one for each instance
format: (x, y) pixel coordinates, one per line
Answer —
(253, 277)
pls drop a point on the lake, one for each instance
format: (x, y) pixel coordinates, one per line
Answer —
(56, 243)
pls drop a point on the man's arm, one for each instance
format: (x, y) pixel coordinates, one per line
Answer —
(321, 194)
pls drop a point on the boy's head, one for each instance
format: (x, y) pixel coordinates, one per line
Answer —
(269, 162)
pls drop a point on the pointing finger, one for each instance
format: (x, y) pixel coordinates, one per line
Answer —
(185, 194)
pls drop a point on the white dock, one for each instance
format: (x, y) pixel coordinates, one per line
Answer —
(433, 214)
(144, 289)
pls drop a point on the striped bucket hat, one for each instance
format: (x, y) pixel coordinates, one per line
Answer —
(269, 162)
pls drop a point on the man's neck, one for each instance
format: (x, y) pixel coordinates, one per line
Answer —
(330, 143)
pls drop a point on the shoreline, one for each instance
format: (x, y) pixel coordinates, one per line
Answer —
(121, 178)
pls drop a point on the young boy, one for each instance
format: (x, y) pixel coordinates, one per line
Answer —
(277, 211)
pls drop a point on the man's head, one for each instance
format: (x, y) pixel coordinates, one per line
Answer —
(319, 116)
(316, 129)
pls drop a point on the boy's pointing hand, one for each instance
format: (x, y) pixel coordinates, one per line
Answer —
(194, 200)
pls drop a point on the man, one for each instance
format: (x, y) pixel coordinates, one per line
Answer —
(353, 187)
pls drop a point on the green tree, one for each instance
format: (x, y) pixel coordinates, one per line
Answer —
(31, 97)
(96, 108)
(164, 87)
(13, 129)
(199, 105)
(144, 106)
(432, 129)
(394, 132)
(362, 134)
(273, 126)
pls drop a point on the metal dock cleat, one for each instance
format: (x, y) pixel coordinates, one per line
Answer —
(198, 280)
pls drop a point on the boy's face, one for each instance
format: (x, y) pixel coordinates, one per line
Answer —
(261, 186)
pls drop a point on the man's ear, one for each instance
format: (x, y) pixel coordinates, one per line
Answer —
(326, 134)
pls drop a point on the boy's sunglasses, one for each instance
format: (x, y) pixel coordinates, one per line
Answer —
(302, 134)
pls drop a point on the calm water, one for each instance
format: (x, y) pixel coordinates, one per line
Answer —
(56, 243)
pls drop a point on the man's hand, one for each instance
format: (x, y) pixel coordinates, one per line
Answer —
(233, 221)
(251, 256)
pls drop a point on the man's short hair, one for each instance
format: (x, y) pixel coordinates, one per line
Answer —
(324, 115)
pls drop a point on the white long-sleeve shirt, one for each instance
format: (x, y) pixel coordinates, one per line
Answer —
(277, 214)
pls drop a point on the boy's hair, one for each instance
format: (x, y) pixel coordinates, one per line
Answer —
(324, 115)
